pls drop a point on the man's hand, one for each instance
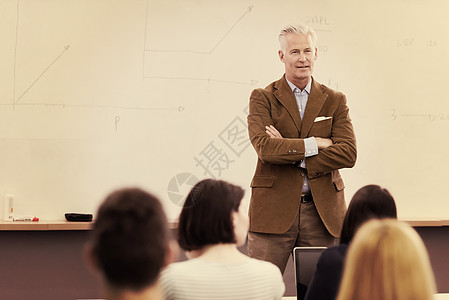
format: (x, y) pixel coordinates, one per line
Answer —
(323, 143)
(272, 132)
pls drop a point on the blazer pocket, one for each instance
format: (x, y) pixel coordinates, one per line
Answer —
(321, 128)
(261, 181)
(339, 184)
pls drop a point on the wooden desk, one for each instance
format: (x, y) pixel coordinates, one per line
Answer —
(426, 222)
(44, 225)
(45, 261)
(53, 225)
(27, 246)
(65, 225)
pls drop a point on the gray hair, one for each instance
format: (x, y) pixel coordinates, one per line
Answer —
(296, 29)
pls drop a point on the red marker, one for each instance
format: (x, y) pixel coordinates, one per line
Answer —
(34, 219)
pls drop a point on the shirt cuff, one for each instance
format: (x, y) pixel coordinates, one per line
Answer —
(310, 146)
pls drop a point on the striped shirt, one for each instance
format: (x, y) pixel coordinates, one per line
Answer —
(197, 279)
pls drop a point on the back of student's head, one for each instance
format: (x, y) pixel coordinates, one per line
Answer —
(387, 260)
(129, 240)
(206, 217)
(369, 202)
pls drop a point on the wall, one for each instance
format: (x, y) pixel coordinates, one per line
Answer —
(99, 94)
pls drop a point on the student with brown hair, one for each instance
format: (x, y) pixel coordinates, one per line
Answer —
(213, 222)
(129, 244)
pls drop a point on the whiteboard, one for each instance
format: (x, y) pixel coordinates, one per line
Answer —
(102, 94)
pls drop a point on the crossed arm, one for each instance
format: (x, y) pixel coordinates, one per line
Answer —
(322, 143)
(336, 149)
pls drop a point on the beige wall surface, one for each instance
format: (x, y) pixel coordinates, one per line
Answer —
(99, 94)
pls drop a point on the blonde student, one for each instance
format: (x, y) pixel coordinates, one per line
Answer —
(387, 260)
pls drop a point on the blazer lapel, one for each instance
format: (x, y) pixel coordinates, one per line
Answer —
(314, 104)
(286, 97)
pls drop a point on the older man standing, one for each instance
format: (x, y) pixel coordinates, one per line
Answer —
(302, 133)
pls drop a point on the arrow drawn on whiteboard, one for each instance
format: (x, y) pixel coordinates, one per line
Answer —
(43, 72)
(250, 82)
(250, 8)
(179, 108)
(232, 27)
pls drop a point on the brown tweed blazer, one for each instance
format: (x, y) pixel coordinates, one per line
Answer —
(277, 182)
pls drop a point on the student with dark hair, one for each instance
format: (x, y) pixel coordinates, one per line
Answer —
(128, 245)
(369, 202)
(212, 223)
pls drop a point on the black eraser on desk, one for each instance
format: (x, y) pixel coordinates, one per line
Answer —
(75, 217)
